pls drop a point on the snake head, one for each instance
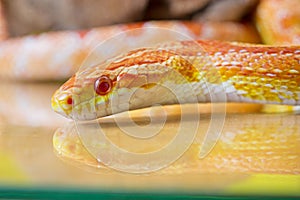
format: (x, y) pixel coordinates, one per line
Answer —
(128, 82)
(86, 95)
(106, 94)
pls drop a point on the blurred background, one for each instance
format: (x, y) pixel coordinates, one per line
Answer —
(35, 16)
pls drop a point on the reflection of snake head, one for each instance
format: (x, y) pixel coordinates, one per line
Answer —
(129, 82)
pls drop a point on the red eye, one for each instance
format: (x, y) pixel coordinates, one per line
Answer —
(69, 100)
(103, 85)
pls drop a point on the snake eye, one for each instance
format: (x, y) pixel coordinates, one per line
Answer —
(103, 85)
(69, 100)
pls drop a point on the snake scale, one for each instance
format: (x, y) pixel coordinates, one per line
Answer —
(197, 71)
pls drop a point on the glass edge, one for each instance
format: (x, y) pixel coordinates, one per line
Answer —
(75, 193)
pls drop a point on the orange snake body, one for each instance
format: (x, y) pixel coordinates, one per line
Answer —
(58, 55)
(244, 72)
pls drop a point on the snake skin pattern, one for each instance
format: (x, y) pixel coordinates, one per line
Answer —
(197, 71)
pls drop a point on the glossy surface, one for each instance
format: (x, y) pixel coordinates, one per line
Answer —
(266, 148)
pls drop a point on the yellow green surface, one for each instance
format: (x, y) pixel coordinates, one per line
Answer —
(9, 170)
